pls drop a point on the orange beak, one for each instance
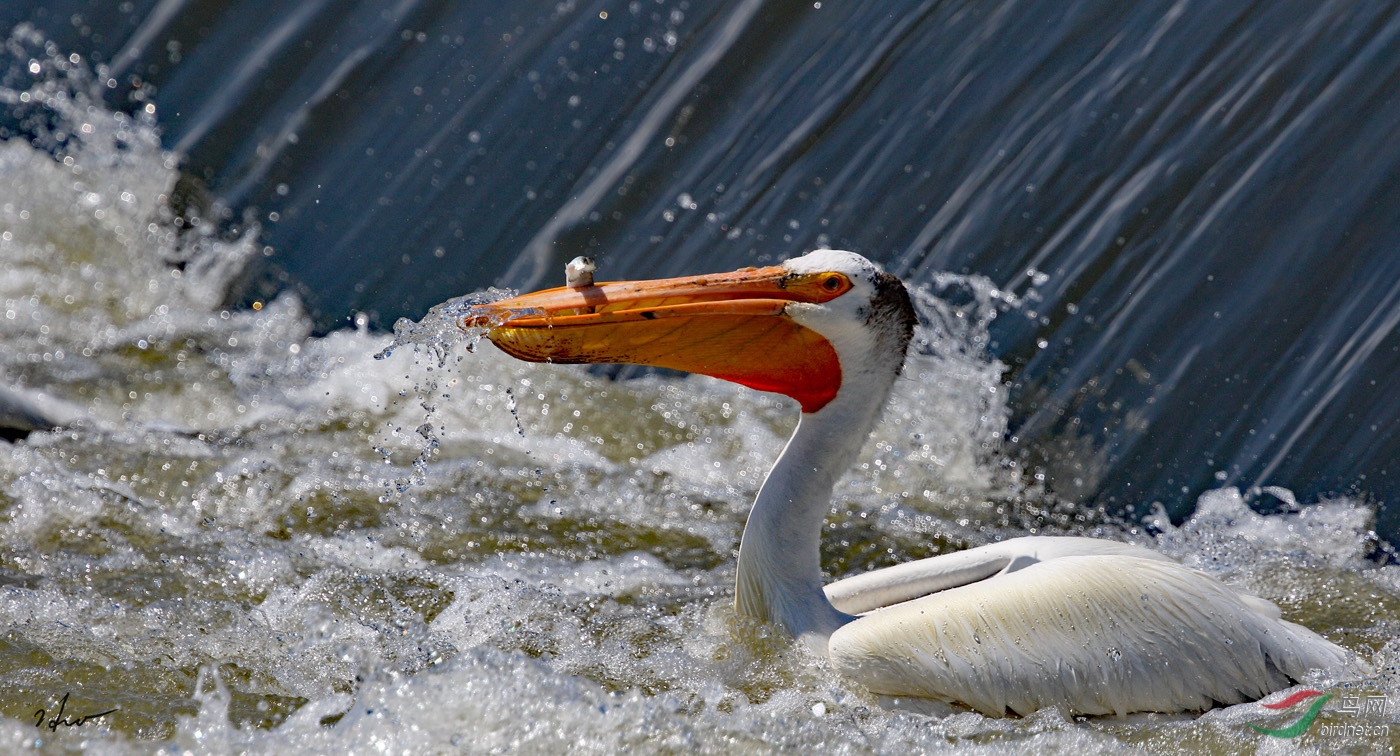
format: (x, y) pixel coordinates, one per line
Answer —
(731, 325)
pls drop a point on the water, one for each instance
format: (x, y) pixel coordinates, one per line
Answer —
(250, 538)
(1195, 200)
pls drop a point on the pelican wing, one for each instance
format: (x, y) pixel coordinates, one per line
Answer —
(892, 585)
(1099, 634)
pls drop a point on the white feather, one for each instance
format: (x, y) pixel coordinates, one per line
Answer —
(1097, 634)
(910, 580)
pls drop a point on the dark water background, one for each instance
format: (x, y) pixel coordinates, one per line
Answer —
(1194, 203)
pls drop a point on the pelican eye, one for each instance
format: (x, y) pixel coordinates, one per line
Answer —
(818, 287)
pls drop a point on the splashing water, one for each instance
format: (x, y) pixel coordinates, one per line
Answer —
(436, 337)
(441, 330)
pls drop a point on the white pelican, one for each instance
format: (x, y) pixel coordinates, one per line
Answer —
(1091, 626)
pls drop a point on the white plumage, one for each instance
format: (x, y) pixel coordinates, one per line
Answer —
(1097, 634)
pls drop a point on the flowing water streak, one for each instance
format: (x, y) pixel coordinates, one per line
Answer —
(211, 550)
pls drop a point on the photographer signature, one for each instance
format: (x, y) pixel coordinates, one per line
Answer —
(59, 719)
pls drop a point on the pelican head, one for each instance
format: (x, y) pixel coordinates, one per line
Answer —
(805, 328)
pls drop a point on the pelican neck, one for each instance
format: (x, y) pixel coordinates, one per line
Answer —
(779, 573)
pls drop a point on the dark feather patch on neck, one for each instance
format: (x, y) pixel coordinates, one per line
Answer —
(891, 316)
